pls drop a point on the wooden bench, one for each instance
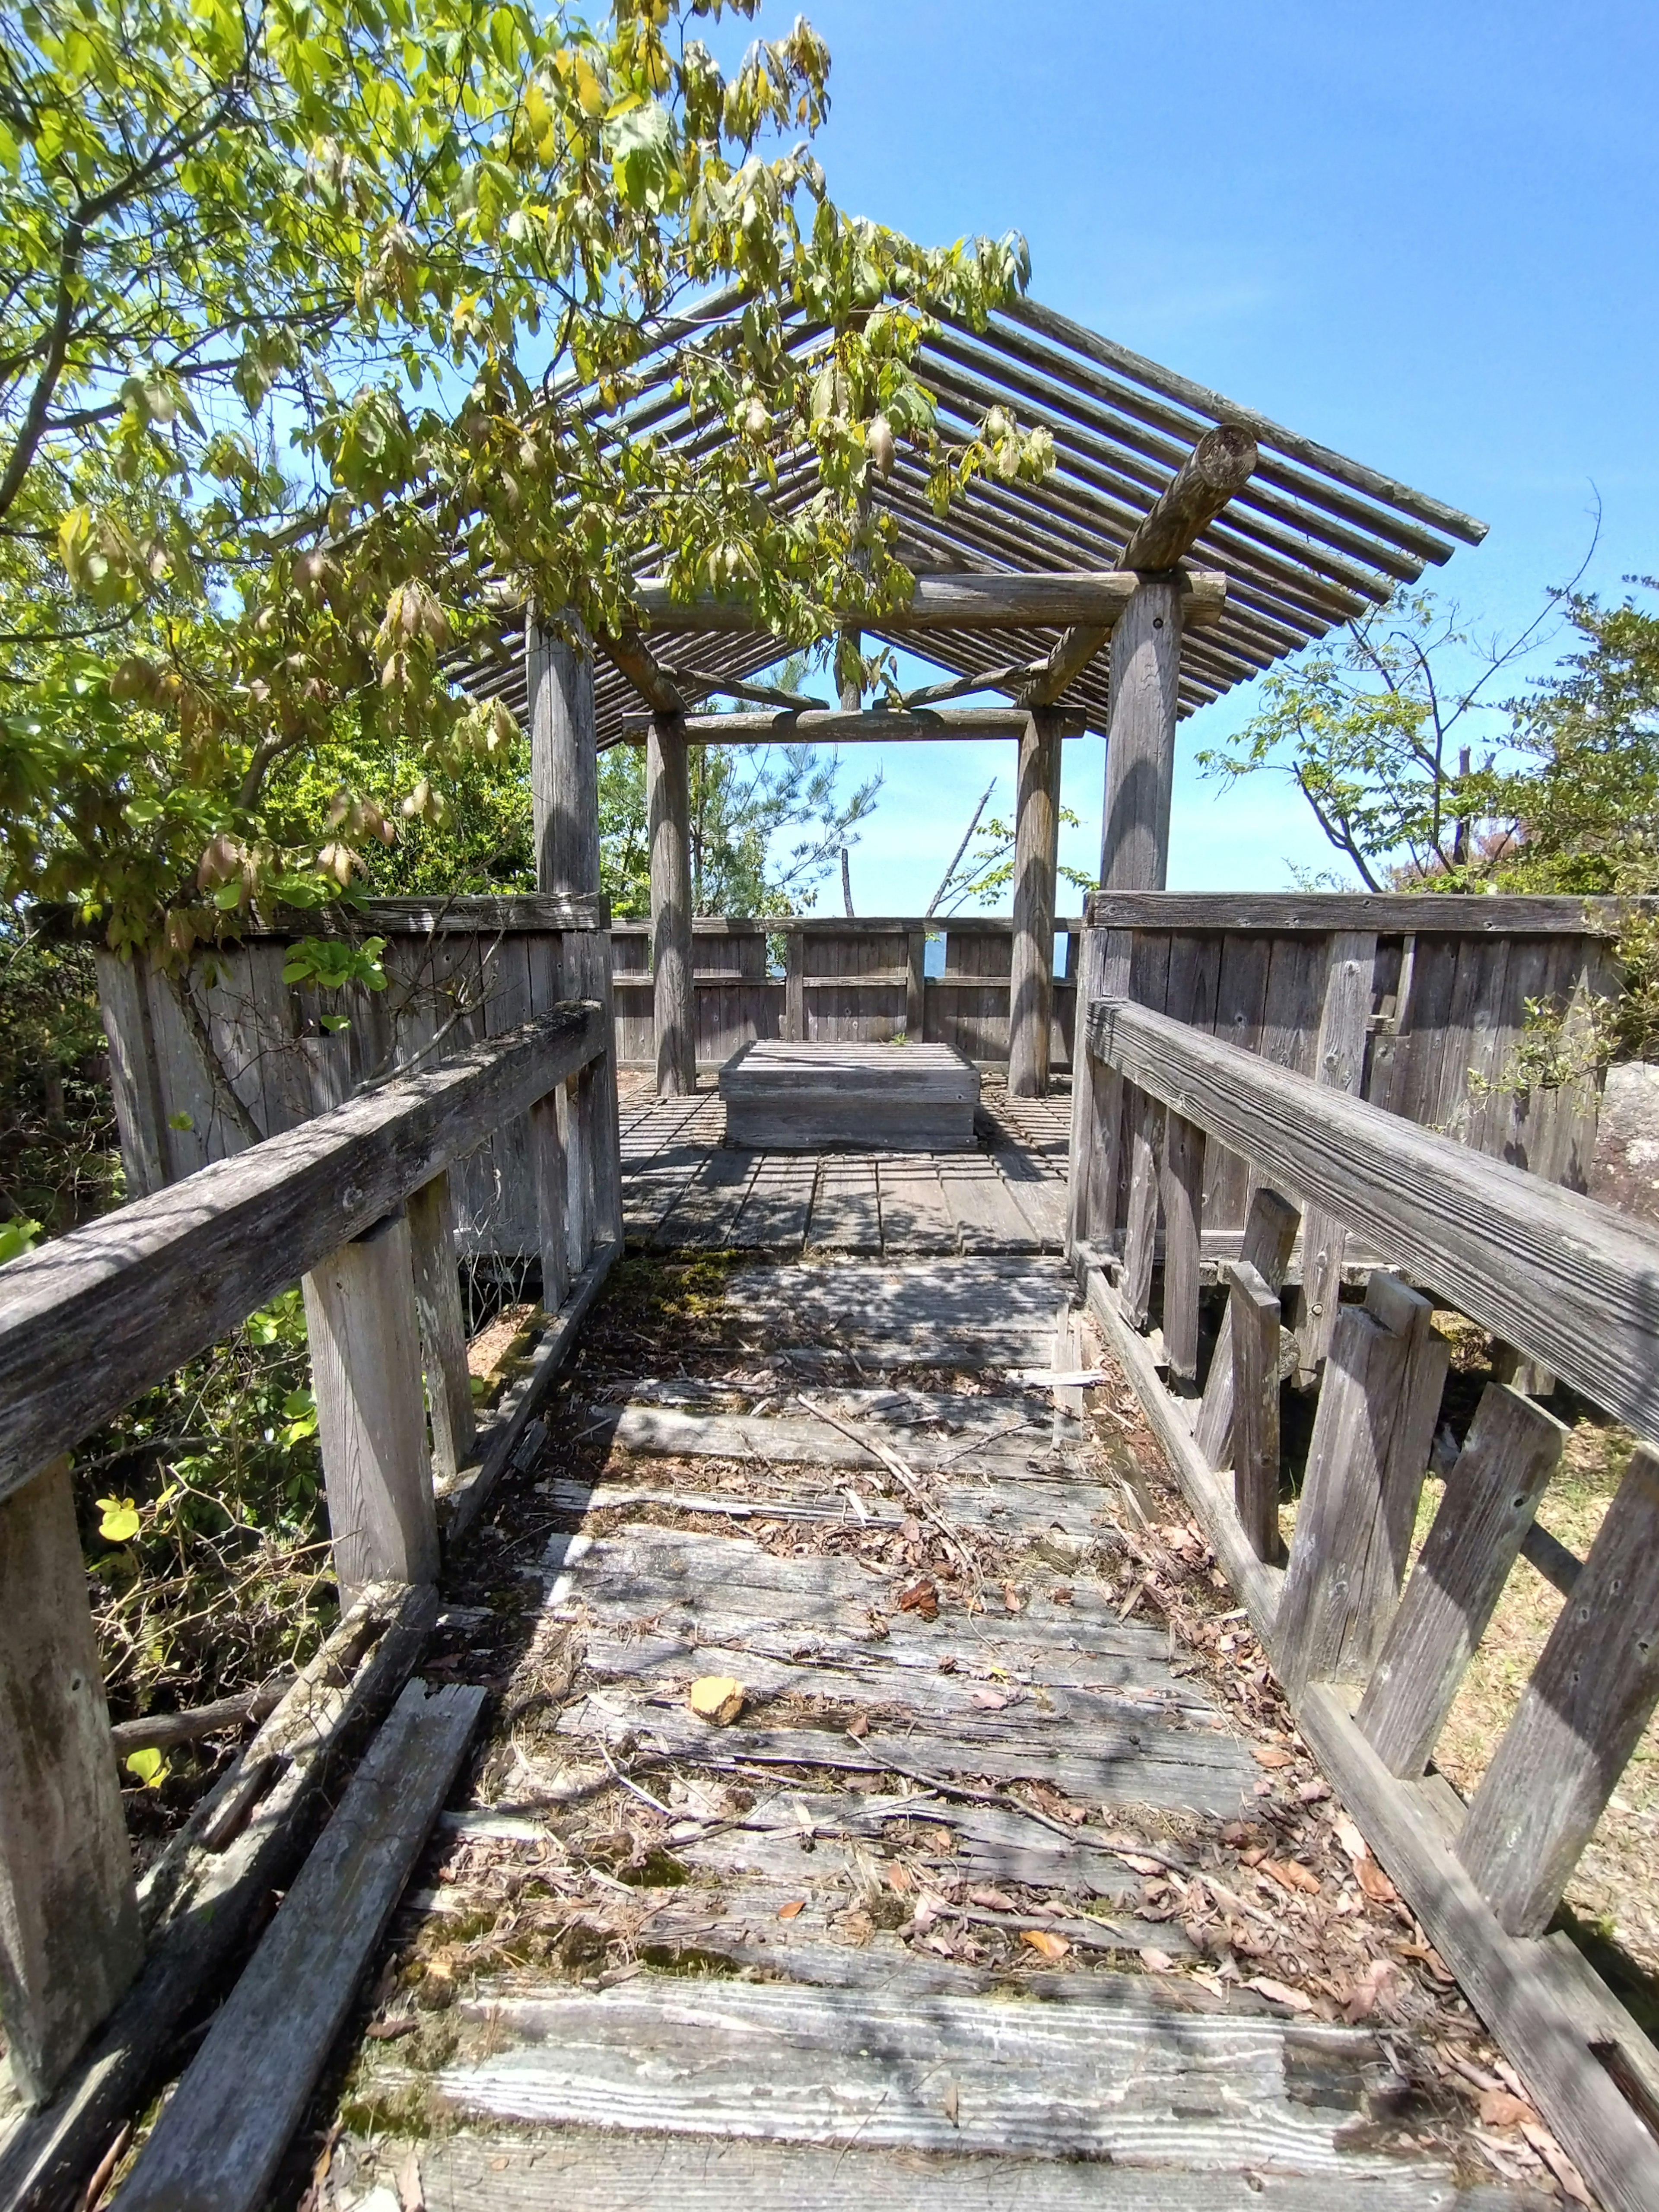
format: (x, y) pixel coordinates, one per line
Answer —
(862, 1097)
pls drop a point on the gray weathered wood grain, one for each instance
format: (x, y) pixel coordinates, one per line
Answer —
(443, 1328)
(1253, 1310)
(1340, 1061)
(1270, 1231)
(215, 2147)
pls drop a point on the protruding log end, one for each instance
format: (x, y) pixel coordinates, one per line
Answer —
(1220, 464)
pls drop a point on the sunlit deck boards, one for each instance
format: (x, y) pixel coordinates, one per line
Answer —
(685, 1189)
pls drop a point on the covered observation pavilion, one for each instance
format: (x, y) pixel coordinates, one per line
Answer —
(1181, 544)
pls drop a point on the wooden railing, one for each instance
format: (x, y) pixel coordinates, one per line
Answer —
(1369, 1657)
(356, 1202)
(812, 977)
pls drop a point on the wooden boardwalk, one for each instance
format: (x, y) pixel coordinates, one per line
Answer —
(924, 1922)
(683, 1188)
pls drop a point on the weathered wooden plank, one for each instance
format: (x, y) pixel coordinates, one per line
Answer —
(366, 1372)
(1253, 1309)
(965, 600)
(1146, 1120)
(1241, 1002)
(215, 2148)
(197, 1904)
(1568, 1281)
(846, 1207)
(69, 1942)
(1270, 1231)
(987, 1217)
(1340, 1061)
(1366, 1461)
(140, 1113)
(92, 1318)
(707, 1208)
(1181, 1189)
(507, 2172)
(1501, 1473)
(459, 913)
(835, 1095)
(914, 1217)
(1580, 1717)
(776, 1204)
(1437, 914)
(443, 1327)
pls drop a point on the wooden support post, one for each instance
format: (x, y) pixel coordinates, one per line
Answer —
(915, 986)
(1582, 1715)
(1344, 1026)
(1036, 850)
(587, 975)
(366, 1373)
(1369, 1453)
(1146, 679)
(1269, 1232)
(549, 1177)
(668, 796)
(1492, 1494)
(1096, 1099)
(1145, 1117)
(1253, 1308)
(443, 1326)
(579, 1167)
(794, 987)
(1180, 1188)
(564, 791)
(70, 1940)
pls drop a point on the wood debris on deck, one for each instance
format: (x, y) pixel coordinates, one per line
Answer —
(1007, 1881)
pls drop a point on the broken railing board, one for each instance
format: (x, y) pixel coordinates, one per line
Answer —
(70, 1940)
(1580, 1718)
(1511, 1450)
(869, 1097)
(215, 2147)
(89, 1320)
(198, 1905)
(1568, 1280)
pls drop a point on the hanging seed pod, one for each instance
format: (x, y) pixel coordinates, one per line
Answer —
(879, 446)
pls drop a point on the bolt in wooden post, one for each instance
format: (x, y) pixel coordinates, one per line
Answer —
(1366, 1461)
(1253, 1309)
(1270, 1229)
(1180, 1188)
(1592, 1693)
(1492, 1494)
(443, 1326)
(70, 1940)
(366, 1370)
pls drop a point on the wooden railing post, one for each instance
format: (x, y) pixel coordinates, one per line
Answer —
(1145, 1119)
(1270, 1229)
(366, 1371)
(1096, 1100)
(1339, 1060)
(443, 1326)
(1591, 1694)
(915, 985)
(1180, 1188)
(1492, 1494)
(549, 1174)
(1366, 1461)
(70, 1940)
(1253, 1311)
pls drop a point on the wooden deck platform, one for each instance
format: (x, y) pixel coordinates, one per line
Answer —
(683, 1188)
(937, 1917)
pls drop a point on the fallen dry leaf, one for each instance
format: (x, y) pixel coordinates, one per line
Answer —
(388, 2031)
(952, 2102)
(1141, 1865)
(1011, 1597)
(859, 1725)
(411, 2194)
(922, 1598)
(990, 1701)
(717, 1698)
(1291, 1874)
(900, 1878)
(1062, 1596)
(1156, 1961)
(1269, 1754)
(1572, 2181)
(993, 1900)
(1375, 1883)
(1279, 1993)
(1501, 2108)
(788, 1911)
(1045, 1942)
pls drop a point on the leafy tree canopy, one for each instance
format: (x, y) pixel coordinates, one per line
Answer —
(323, 317)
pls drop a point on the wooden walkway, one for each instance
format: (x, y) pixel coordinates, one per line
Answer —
(950, 1908)
(683, 1189)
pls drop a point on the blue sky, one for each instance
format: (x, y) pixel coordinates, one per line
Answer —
(1422, 234)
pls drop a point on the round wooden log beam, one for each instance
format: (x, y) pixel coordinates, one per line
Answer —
(873, 725)
(668, 799)
(1220, 465)
(563, 762)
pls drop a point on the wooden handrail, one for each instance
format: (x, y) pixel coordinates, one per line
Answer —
(91, 1319)
(1563, 1277)
(1411, 913)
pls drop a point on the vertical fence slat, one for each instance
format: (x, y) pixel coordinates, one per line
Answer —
(1582, 1715)
(1145, 1117)
(1366, 1461)
(1180, 1188)
(1339, 1060)
(69, 1942)
(1253, 1310)
(550, 1175)
(1270, 1229)
(366, 1372)
(443, 1327)
(1492, 1494)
